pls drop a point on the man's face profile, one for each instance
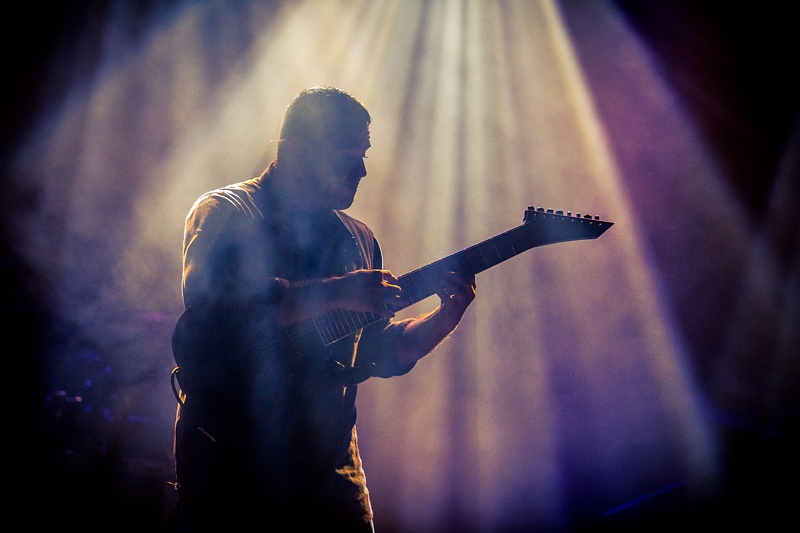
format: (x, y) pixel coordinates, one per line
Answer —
(337, 167)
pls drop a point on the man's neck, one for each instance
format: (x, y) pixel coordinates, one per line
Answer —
(294, 201)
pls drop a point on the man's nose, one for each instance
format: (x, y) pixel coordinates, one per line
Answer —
(361, 169)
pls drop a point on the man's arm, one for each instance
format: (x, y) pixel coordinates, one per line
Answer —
(423, 334)
(370, 291)
(360, 290)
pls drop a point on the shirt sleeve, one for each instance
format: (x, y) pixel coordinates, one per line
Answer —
(223, 263)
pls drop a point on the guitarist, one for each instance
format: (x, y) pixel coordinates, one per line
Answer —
(265, 432)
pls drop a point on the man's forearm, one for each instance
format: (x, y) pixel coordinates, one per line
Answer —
(424, 334)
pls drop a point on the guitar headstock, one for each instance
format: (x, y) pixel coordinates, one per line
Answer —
(559, 226)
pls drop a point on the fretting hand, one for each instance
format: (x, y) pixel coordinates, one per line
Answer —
(455, 296)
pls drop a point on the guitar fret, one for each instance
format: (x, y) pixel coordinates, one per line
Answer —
(428, 281)
(469, 255)
(329, 321)
(462, 262)
(484, 257)
(334, 328)
(354, 321)
(339, 323)
(339, 327)
(359, 320)
(513, 248)
(422, 284)
(343, 326)
(322, 330)
(411, 286)
(504, 248)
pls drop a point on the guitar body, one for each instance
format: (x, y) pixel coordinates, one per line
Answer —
(215, 349)
(207, 347)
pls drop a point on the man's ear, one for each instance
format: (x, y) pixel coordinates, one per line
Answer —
(294, 153)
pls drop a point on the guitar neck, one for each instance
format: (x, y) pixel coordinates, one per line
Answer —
(540, 227)
(425, 281)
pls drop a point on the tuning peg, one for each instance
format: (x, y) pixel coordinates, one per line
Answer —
(587, 216)
(559, 212)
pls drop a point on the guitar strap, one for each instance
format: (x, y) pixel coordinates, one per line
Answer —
(363, 239)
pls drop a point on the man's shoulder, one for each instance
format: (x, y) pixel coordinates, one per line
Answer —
(241, 196)
(353, 224)
(242, 189)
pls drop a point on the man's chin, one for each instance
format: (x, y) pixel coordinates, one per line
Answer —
(345, 199)
(344, 204)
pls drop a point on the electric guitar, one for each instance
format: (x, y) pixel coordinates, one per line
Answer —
(540, 227)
